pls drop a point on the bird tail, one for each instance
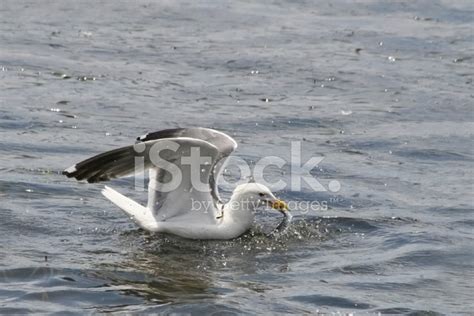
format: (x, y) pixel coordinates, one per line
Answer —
(140, 214)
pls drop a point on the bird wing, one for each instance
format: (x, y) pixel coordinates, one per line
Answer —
(223, 142)
(163, 157)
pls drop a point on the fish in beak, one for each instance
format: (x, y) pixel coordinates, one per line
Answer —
(279, 205)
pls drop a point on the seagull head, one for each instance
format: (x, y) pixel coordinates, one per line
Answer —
(257, 195)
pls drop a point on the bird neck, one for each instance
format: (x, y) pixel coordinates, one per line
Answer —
(239, 210)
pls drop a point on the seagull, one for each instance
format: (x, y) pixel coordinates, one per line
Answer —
(176, 204)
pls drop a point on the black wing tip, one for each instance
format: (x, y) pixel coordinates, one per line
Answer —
(72, 172)
(141, 138)
(81, 178)
(165, 133)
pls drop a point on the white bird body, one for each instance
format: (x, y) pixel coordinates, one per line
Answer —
(237, 216)
(175, 211)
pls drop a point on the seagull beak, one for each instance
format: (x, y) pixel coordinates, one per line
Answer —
(279, 205)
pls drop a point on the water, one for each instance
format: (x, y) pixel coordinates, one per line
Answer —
(382, 90)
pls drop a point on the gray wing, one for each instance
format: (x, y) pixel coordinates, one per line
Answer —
(223, 142)
(158, 156)
(120, 162)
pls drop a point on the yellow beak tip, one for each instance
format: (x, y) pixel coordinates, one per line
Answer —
(280, 205)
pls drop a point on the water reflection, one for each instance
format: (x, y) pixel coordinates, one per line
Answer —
(167, 269)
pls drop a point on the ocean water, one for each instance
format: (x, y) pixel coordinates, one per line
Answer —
(382, 90)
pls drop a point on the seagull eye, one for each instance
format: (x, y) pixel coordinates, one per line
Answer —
(261, 194)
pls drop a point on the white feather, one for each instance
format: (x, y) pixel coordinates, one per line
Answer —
(140, 214)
